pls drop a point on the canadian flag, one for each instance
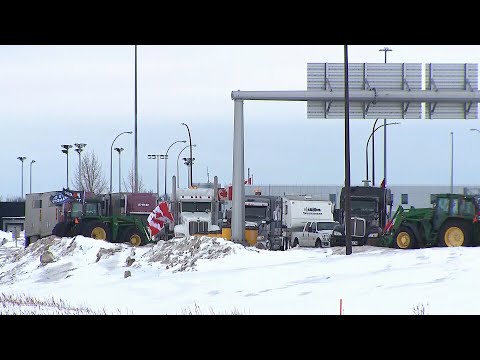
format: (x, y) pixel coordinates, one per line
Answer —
(159, 216)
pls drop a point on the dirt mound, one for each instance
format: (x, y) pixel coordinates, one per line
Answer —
(182, 254)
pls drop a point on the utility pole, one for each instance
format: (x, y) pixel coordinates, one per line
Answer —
(451, 173)
(136, 134)
(385, 50)
(348, 221)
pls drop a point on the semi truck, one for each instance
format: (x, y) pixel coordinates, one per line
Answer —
(453, 220)
(197, 210)
(120, 217)
(43, 211)
(370, 208)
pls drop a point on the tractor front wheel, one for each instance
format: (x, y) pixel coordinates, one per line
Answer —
(404, 238)
(133, 236)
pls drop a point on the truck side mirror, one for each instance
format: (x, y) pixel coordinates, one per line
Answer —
(337, 215)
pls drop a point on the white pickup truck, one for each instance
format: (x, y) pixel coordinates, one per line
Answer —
(314, 234)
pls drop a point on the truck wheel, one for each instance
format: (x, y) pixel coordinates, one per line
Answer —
(96, 230)
(288, 244)
(454, 233)
(318, 243)
(60, 230)
(295, 243)
(404, 238)
(133, 236)
(268, 244)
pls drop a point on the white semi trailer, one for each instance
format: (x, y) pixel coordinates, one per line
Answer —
(298, 210)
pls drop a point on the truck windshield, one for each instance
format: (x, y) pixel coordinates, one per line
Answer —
(363, 206)
(196, 207)
(255, 212)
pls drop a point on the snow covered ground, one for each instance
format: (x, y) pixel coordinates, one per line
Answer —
(215, 276)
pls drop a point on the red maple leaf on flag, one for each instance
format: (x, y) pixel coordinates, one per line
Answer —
(159, 216)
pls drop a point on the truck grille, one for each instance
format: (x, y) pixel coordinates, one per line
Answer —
(358, 227)
(198, 227)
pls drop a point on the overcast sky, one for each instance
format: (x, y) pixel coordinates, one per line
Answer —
(54, 95)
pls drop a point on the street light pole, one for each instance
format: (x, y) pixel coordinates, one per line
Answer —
(166, 158)
(119, 150)
(158, 157)
(385, 50)
(111, 156)
(348, 221)
(373, 153)
(451, 174)
(136, 136)
(22, 158)
(366, 147)
(65, 151)
(190, 170)
(178, 158)
(31, 163)
(79, 149)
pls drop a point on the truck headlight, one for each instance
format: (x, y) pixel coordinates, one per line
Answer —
(337, 233)
(373, 235)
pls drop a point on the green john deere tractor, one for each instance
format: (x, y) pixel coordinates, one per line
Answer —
(96, 219)
(453, 220)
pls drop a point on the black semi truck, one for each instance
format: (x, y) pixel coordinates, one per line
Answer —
(371, 207)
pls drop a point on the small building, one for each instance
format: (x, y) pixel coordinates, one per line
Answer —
(12, 216)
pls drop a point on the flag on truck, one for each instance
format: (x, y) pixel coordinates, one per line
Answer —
(159, 216)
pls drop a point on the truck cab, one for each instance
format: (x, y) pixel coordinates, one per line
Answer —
(196, 212)
(370, 208)
(265, 212)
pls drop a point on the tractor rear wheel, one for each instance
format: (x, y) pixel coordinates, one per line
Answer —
(133, 236)
(404, 238)
(61, 229)
(96, 230)
(455, 233)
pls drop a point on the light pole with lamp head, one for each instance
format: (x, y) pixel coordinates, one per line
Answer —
(385, 50)
(373, 153)
(65, 151)
(79, 149)
(166, 158)
(31, 163)
(451, 174)
(178, 158)
(366, 147)
(22, 158)
(158, 157)
(119, 150)
(111, 156)
(190, 163)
